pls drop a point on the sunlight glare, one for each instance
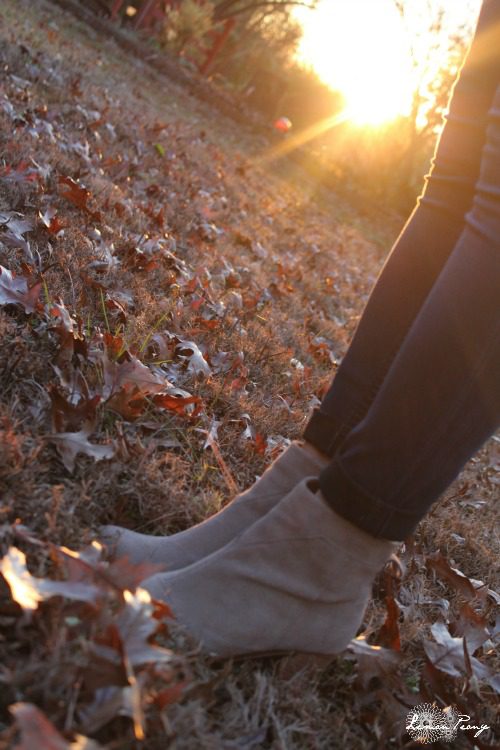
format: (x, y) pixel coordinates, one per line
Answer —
(359, 48)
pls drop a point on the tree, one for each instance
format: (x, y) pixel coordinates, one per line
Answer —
(229, 8)
(436, 58)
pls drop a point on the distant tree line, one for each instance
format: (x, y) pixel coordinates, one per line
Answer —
(257, 65)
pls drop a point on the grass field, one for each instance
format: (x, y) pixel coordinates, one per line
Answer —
(148, 246)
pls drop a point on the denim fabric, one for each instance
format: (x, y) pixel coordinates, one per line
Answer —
(418, 391)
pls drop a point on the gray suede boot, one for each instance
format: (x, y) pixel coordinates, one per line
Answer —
(178, 550)
(299, 579)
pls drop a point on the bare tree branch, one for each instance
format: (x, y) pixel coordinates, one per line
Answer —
(229, 8)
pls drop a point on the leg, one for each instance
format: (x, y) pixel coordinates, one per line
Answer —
(422, 249)
(299, 578)
(440, 399)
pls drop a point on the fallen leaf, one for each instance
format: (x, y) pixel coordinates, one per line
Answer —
(388, 635)
(51, 221)
(71, 339)
(472, 626)
(16, 226)
(171, 694)
(19, 176)
(29, 591)
(109, 702)
(68, 416)
(189, 352)
(178, 404)
(454, 577)
(130, 372)
(373, 661)
(75, 193)
(449, 655)
(129, 402)
(38, 733)
(137, 626)
(70, 444)
(78, 196)
(89, 565)
(14, 290)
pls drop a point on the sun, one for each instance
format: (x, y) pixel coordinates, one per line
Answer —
(359, 48)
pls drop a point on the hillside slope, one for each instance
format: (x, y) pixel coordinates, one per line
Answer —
(170, 312)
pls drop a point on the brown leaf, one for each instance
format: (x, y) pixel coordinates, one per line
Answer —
(127, 384)
(260, 443)
(135, 259)
(137, 626)
(454, 577)
(116, 307)
(28, 591)
(69, 417)
(21, 175)
(109, 701)
(38, 733)
(388, 634)
(130, 372)
(171, 694)
(115, 345)
(374, 662)
(14, 290)
(51, 221)
(71, 339)
(129, 402)
(472, 626)
(322, 349)
(75, 193)
(16, 226)
(70, 444)
(448, 655)
(120, 574)
(178, 404)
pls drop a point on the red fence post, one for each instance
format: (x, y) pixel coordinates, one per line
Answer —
(115, 9)
(219, 42)
(145, 13)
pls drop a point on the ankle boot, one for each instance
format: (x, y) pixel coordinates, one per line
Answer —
(298, 579)
(184, 548)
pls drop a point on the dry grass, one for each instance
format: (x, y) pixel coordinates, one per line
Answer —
(312, 277)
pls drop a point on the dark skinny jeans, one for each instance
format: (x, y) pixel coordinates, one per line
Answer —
(418, 391)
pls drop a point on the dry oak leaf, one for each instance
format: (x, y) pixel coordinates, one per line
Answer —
(108, 703)
(38, 733)
(70, 444)
(14, 290)
(451, 656)
(75, 193)
(89, 564)
(69, 416)
(191, 353)
(29, 591)
(469, 588)
(71, 339)
(16, 226)
(78, 196)
(51, 221)
(131, 372)
(137, 625)
(178, 403)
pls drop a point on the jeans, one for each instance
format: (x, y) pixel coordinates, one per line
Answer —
(418, 391)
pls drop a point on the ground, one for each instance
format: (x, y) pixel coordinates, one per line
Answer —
(177, 307)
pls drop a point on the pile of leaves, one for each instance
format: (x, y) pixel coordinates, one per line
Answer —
(169, 314)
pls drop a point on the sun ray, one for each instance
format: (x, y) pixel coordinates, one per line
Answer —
(301, 138)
